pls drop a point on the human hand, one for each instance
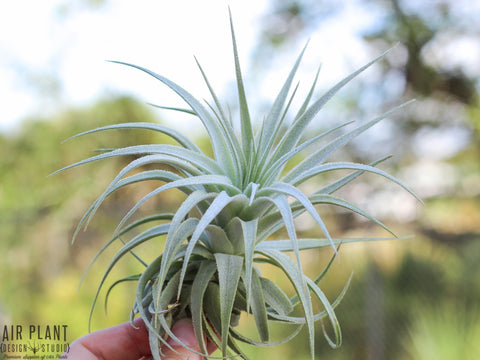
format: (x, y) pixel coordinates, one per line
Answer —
(131, 343)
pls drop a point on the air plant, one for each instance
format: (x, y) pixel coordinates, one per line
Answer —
(233, 203)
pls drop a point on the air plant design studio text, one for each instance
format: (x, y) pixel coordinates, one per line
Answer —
(33, 341)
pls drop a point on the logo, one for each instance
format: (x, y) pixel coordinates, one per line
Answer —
(34, 342)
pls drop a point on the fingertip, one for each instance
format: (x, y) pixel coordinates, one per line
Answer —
(184, 331)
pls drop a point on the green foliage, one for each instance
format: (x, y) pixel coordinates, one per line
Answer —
(37, 212)
(445, 332)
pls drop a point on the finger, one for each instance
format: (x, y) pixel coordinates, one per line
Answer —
(183, 329)
(119, 342)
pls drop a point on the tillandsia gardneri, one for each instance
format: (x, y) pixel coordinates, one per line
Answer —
(233, 204)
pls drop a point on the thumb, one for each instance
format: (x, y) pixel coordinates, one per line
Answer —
(183, 329)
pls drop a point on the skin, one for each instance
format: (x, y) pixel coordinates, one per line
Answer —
(131, 343)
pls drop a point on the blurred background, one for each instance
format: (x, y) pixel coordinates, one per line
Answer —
(415, 298)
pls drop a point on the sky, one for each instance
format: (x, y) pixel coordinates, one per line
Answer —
(53, 52)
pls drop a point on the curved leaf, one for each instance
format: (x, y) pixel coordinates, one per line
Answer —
(306, 203)
(338, 184)
(156, 231)
(275, 297)
(191, 183)
(187, 111)
(294, 133)
(238, 155)
(144, 236)
(113, 186)
(331, 314)
(297, 279)
(249, 341)
(218, 204)
(219, 242)
(203, 277)
(271, 125)
(177, 136)
(307, 244)
(304, 106)
(216, 135)
(119, 281)
(320, 155)
(276, 168)
(229, 270)
(175, 239)
(332, 200)
(349, 166)
(258, 308)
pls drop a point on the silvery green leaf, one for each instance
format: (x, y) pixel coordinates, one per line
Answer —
(349, 166)
(306, 244)
(294, 133)
(249, 341)
(177, 136)
(175, 239)
(239, 160)
(148, 234)
(154, 335)
(187, 111)
(249, 231)
(248, 143)
(304, 106)
(271, 125)
(167, 295)
(332, 200)
(212, 298)
(235, 235)
(229, 271)
(219, 241)
(287, 189)
(338, 184)
(202, 279)
(275, 297)
(331, 314)
(320, 155)
(274, 169)
(258, 308)
(215, 133)
(114, 185)
(156, 217)
(283, 206)
(317, 317)
(217, 205)
(191, 183)
(297, 279)
(117, 282)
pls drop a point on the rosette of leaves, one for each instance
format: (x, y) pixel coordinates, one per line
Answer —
(233, 203)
